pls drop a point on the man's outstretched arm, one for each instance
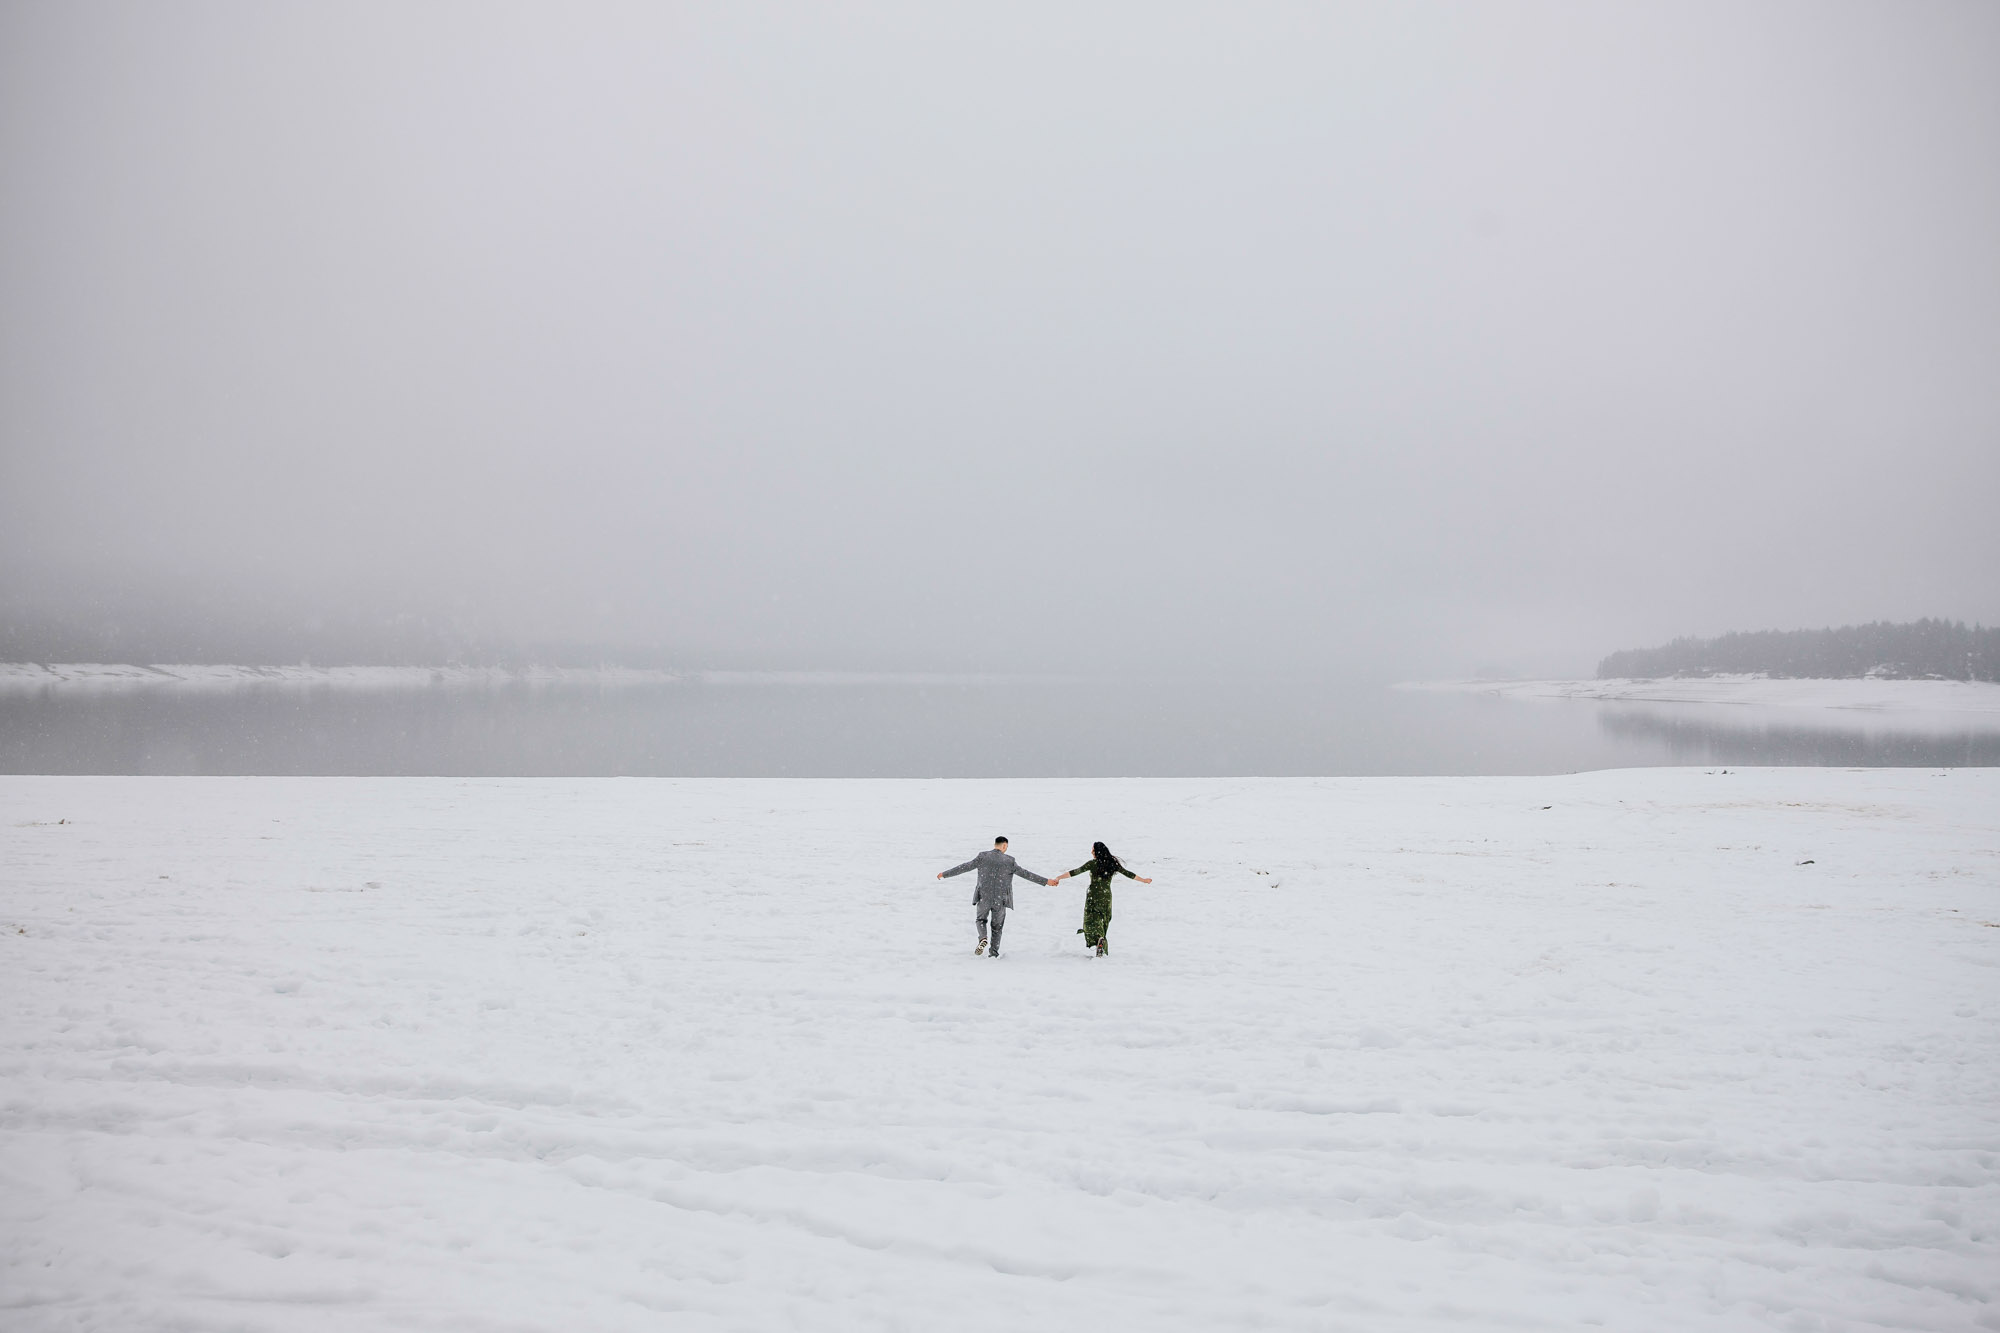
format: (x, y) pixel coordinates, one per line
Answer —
(1031, 875)
(973, 864)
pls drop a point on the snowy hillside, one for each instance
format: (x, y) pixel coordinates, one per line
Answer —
(1663, 1049)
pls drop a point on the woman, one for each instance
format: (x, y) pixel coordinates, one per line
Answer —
(1102, 865)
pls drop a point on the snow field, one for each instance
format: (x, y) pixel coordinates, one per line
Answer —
(1372, 1054)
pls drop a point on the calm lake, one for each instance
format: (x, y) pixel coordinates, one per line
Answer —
(891, 728)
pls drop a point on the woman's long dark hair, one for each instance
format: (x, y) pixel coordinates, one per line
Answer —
(1107, 864)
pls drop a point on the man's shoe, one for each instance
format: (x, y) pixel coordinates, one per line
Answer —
(979, 948)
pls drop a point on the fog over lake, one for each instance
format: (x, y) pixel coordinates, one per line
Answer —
(1265, 341)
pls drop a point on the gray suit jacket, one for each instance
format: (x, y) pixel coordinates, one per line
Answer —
(996, 876)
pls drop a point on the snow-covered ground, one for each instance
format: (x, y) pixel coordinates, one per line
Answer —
(1970, 703)
(1669, 1049)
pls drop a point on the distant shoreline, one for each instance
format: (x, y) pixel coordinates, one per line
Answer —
(22, 677)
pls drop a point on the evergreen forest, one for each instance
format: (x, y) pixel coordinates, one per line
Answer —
(1919, 650)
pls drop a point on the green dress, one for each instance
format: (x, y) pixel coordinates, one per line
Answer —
(1097, 903)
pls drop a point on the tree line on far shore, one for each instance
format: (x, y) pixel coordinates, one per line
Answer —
(1919, 650)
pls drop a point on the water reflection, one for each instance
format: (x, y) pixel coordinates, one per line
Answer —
(934, 727)
(1705, 734)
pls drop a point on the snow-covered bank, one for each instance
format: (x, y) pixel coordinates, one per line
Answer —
(1663, 1049)
(1977, 701)
(201, 676)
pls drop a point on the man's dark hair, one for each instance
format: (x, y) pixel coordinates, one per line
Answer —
(1000, 841)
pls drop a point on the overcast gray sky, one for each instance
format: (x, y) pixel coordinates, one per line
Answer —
(1405, 337)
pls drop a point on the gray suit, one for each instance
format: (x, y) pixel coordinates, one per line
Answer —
(995, 891)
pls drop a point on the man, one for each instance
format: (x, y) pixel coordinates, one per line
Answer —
(995, 893)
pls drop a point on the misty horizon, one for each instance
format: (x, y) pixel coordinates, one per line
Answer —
(408, 640)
